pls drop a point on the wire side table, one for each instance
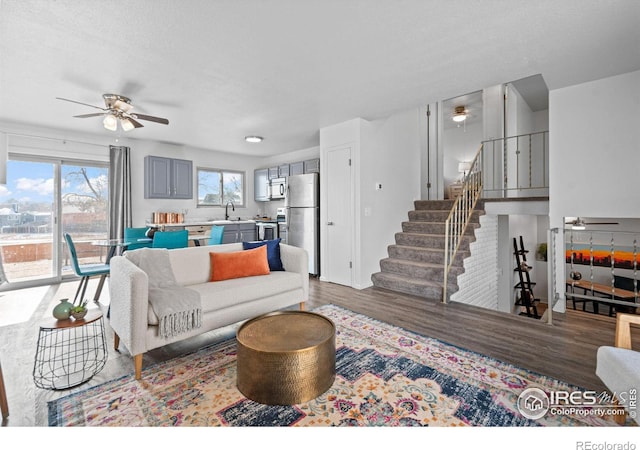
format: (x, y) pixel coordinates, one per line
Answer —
(70, 352)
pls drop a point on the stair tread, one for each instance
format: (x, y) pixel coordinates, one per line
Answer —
(413, 262)
(410, 280)
(413, 247)
(427, 234)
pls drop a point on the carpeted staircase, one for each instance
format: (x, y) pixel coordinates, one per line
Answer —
(416, 262)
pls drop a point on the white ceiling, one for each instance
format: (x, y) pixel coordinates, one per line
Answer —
(220, 70)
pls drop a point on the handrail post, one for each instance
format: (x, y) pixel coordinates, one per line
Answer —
(446, 261)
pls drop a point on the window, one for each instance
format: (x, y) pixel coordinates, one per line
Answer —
(217, 187)
(43, 199)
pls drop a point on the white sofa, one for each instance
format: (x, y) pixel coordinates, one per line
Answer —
(619, 367)
(223, 302)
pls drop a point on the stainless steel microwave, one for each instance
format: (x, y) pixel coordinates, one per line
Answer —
(277, 188)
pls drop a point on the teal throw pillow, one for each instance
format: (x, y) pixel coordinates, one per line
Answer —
(273, 252)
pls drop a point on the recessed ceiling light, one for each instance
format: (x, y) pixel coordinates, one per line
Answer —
(253, 138)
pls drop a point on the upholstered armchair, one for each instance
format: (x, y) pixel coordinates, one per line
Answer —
(619, 367)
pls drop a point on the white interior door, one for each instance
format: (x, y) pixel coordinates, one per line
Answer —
(339, 226)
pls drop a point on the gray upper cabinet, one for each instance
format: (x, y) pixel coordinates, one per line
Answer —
(312, 165)
(182, 178)
(283, 171)
(168, 178)
(296, 168)
(262, 177)
(261, 185)
(273, 172)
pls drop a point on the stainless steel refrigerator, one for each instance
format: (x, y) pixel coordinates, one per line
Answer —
(302, 202)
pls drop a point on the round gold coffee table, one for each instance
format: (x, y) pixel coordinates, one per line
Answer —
(286, 357)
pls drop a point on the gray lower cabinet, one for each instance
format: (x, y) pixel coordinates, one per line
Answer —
(239, 232)
(168, 178)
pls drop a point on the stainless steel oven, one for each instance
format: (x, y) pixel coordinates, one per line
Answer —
(281, 219)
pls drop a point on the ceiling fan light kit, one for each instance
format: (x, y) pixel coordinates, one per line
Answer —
(110, 122)
(460, 114)
(118, 110)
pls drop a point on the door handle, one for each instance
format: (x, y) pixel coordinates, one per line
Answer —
(329, 223)
(282, 189)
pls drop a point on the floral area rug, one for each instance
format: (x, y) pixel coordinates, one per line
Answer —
(385, 376)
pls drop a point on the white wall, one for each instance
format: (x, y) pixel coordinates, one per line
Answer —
(493, 128)
(594, 161)
(384, 151)
(460, 145)
(30, 140)
(478, 285)
(389, 156)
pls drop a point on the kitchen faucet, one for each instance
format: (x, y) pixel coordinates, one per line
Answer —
(226, 209)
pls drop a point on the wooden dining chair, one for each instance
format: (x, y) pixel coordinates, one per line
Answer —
(86, 271)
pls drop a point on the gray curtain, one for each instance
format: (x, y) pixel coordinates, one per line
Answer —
(119, 191)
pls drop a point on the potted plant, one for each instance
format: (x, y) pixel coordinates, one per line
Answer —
(80, 310)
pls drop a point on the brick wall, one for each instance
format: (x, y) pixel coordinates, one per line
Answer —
(478, 285)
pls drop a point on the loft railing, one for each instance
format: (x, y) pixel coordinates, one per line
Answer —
(460, 214)
(607, 263)
(502, 168)
(515, 165)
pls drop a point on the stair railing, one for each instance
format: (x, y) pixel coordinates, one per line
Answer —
(460, 215)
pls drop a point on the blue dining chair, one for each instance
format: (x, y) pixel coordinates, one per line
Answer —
(217, 231)
(86, 271)
(170, 239)
(133, 234)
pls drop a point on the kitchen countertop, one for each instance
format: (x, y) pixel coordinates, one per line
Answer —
(199, 223)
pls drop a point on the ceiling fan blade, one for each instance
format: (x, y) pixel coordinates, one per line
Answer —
(150, 118)
(80, 103)
(135, 123)
(82, 116)
(602, 223)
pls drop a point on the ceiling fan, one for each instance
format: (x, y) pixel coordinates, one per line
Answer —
(117, 109)
(579, 224)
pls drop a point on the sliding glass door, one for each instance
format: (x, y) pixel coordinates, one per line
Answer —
(43, 199)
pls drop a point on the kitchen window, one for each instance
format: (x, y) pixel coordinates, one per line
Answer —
(217, 187)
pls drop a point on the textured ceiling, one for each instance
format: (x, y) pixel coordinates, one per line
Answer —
(220, 70)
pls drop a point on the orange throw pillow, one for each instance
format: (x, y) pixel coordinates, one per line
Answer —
(245, 263)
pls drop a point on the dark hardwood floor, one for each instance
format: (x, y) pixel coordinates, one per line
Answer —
(565, 350)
